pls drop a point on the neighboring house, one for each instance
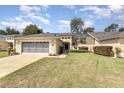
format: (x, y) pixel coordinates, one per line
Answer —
(3, 42)
(116, 38)
(7, 41)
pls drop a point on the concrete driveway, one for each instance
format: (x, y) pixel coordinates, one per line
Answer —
(13, 63)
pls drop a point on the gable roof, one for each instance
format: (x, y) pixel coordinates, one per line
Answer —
(99, 36)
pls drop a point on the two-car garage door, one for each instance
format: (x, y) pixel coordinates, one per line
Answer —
(35, 47)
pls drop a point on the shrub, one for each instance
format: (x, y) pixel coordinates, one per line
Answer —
(103, 50)
(83, 48)
(76, 51)
(11, 51)
(52, 54)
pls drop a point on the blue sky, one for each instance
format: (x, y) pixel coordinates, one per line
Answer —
(56, 18)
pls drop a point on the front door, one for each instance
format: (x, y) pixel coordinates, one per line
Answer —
(66, 46)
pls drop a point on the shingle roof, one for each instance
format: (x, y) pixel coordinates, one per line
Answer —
(106, 35)
(2, 37)
(54, 35)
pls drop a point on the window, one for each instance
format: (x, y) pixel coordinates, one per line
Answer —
(68, 37)
(9, 38)
(62, 37)
(65, 37)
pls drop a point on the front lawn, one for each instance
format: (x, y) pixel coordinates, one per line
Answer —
(3, 54)
(76, 70)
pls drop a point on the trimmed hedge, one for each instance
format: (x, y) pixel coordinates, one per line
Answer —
(83, 48)
(104, 50)
(77, 51)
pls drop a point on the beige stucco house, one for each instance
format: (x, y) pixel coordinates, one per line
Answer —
(46, 43)
(55, 43)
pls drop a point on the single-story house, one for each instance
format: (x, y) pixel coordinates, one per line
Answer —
(55, 43)
(47, 43)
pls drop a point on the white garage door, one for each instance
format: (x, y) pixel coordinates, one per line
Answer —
(35, 47)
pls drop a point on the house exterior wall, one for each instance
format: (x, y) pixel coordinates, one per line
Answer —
(3, 45)
(90, 41)
(11, 40)
(53, 44)
(69, 40)
(121, 40)
(58, 45)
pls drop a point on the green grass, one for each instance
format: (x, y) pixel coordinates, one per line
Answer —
(3, 54)
(76, 70)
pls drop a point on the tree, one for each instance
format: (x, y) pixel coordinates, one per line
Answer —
(76, 25)
(2, 32)
(88, 29)
(9, 31)
(111, 28)
(32, 29)
(12, 31)
(121, 29)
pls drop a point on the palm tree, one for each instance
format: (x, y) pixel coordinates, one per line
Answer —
(76, 25)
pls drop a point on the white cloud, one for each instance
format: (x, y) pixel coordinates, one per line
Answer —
(35, 13)
(116, 8)
(120, 18)
(88, 23)
(70, 6)
(13, 24)
(29, 9)
(47, 15)
(18, 19)
(25, 9)
(44, 7)
(64, 23)
(29, 14)
(97, 11)
(37, 9)
(40, 18)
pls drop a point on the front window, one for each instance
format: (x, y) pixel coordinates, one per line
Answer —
(62, 37)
